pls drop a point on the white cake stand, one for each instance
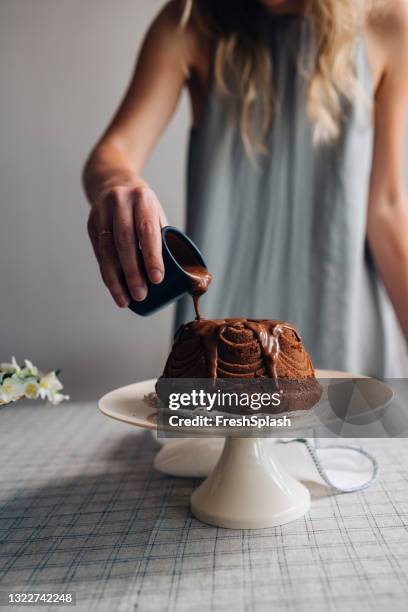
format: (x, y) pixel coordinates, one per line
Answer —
(248, 488)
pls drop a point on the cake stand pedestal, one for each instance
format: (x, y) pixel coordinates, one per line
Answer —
(249, 489)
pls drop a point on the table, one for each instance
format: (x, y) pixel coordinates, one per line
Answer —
(82, 510)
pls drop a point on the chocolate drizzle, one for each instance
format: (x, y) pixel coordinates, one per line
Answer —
(241, 355)
(234, 353)
(232, 348)
(268, 336)
(243, 361)
(200, 279)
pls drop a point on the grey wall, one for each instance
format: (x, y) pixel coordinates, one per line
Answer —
(64, 65)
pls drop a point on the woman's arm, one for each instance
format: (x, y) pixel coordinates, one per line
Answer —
(387, 224)
(125, 211)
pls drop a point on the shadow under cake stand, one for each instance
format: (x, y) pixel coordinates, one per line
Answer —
(248, 488)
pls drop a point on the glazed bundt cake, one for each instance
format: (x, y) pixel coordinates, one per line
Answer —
(242, 350)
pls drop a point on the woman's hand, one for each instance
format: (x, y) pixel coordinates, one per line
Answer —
(125, 230)
(128, 214)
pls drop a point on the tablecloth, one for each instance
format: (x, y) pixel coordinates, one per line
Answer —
(83, 511)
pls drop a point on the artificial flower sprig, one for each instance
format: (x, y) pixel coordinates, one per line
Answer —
(17, 382)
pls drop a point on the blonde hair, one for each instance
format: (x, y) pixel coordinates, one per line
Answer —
(243, 63)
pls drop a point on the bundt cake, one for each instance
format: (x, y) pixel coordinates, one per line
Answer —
(244, 352)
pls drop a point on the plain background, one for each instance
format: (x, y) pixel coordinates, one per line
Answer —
(64, 65)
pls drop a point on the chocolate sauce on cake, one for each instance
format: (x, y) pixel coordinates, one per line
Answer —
(230, 348)
(200, 279)
(241, 355)
(235, 348)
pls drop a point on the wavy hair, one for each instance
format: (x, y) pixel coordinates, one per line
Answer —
(243, 65)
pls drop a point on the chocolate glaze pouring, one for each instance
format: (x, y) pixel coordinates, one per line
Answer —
(231, 348)
(200, 279)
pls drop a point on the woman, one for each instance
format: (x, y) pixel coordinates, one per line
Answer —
(295, 185)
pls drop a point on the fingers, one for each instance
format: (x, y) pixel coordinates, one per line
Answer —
(126, 244)
(99, 228)
(118, 225)
(148, 225)
(162, 218)
(111, 271)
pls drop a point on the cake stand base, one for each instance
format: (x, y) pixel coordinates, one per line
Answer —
(249, 489)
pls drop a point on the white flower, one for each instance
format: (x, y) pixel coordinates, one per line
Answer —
(31, 390)
(50, 388)
(29, 369)
(11, 389)
(57, 398)
(16, 382)
(12, 367)
(49, 384)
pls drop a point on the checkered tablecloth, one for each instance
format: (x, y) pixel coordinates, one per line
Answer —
(83, 511)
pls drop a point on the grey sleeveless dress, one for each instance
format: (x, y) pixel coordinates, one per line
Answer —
(286, 239)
